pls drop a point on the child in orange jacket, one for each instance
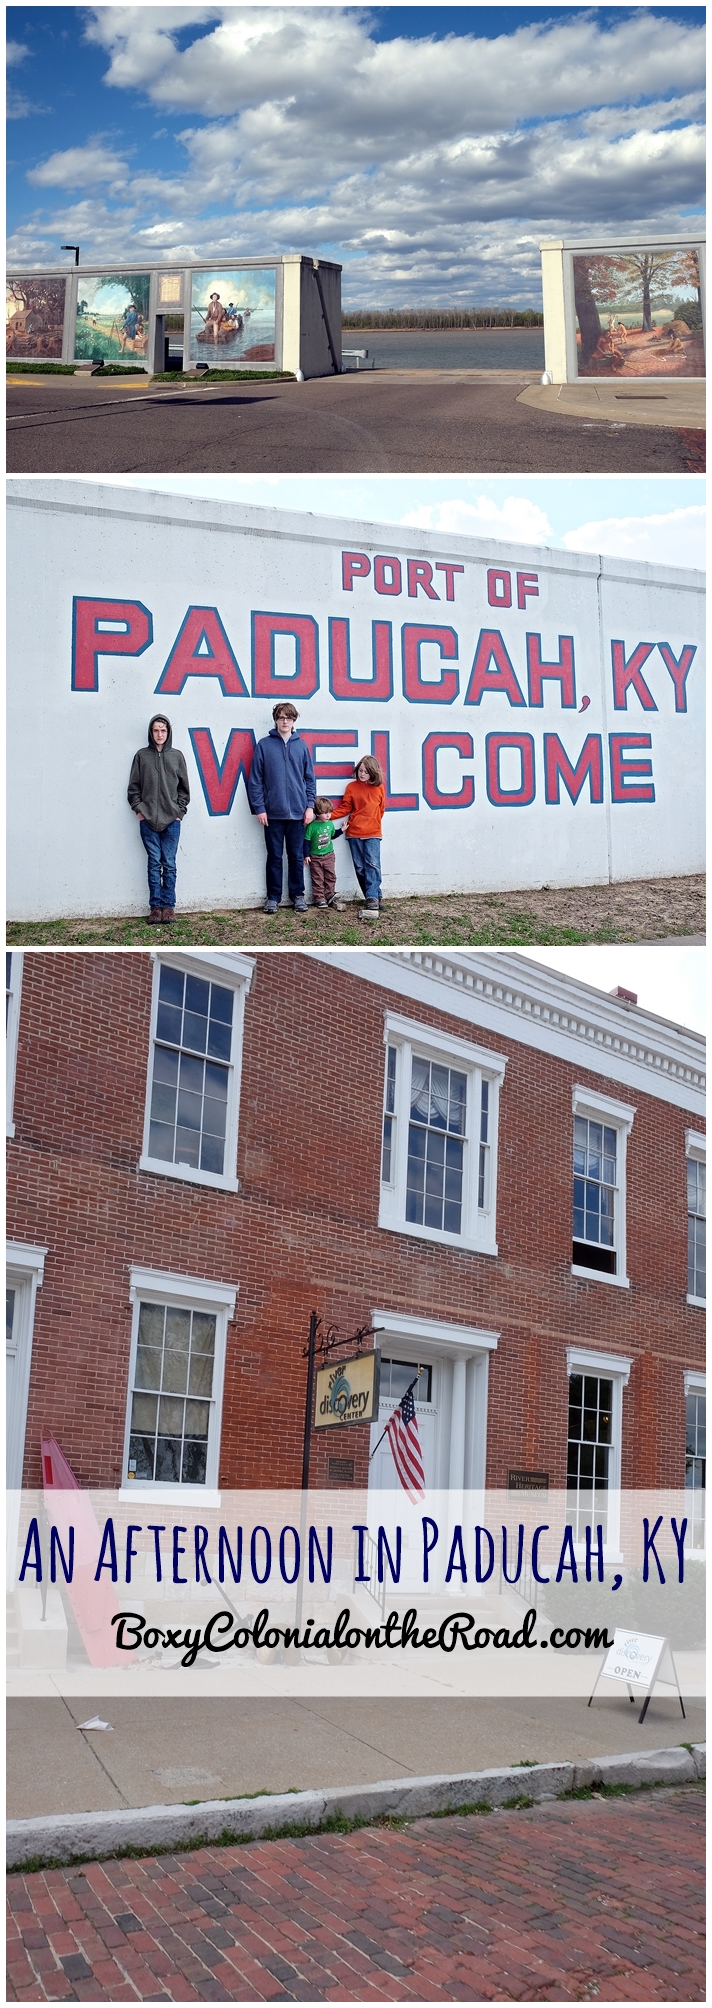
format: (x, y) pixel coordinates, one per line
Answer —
(364, 803)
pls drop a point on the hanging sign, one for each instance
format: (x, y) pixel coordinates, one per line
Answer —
(347, 1391)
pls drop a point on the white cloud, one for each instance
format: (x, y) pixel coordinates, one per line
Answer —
(677, 538)
(516, 520)
(15, 52)
(429, 168)
(79, 167)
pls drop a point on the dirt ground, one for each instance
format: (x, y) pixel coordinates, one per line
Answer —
(642, 910)
(649, 355)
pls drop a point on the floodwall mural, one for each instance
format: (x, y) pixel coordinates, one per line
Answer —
(34, 317)
(638, 313)
(112, 317)
(233, 317)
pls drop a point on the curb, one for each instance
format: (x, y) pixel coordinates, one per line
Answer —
(73, 1836)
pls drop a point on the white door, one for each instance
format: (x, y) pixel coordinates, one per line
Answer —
(396, 1376)
(24, 1275)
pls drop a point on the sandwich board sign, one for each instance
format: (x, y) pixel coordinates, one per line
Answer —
(638, 1659)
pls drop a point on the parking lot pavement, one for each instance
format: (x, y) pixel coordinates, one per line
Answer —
(567, 1901)
(373, 422)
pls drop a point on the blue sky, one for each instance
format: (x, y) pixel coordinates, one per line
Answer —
(660, 521)
(428, 149)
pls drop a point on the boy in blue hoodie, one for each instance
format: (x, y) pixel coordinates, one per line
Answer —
(281, 792)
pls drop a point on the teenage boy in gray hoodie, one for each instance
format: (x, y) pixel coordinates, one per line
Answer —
(159, 794)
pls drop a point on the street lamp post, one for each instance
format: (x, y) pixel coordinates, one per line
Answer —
(71, 247)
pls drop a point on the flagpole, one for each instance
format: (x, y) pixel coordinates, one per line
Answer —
(409, 1390)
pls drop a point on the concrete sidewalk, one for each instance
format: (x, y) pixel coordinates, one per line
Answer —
(624, 400)
(178, 1751)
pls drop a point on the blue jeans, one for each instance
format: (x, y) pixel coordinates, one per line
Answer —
(160, 847)
(366, 854)
(281, 830)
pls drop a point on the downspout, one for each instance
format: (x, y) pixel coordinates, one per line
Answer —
(604, 720)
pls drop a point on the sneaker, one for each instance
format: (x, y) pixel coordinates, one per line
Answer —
(300, 906)
(370, 911)
(337, 905)
(270, 906)
(322, 902)
(167, 913)
(153, 919)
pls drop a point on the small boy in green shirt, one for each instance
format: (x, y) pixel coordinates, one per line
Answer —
(319, 849)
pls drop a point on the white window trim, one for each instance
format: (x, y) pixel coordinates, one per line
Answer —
(408, 1036)
(695, 1383)
(25, 1274)
(234, 971)
(620, 1116)
(696, 1146)
(613, 1367)
(190, 1293)
(13, 1032)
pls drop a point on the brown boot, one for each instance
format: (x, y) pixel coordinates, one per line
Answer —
(153, 919)
(167, 913)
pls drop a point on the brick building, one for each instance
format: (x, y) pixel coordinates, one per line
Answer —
(498, 1165)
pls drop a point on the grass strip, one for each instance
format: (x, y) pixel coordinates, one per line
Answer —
(224, 376)
(337, 1823)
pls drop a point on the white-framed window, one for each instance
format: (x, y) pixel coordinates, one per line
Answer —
(25, 1276)
(595, 1424)
(695, 1459)
(601, 1130)
(13, 990)
(195, 1056)
(176, 1373)
(696, 1157)
(439, 1140)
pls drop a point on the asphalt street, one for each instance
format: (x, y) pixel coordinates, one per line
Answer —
(358, 423)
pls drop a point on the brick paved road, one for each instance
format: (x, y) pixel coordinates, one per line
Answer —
(565, 1902)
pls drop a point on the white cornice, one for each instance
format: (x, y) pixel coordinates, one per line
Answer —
(500, 991)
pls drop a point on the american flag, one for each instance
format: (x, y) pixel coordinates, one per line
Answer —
(402, 1433)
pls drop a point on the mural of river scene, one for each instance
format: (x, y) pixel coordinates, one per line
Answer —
(639, 313)
(112, 317)
(34, 317)
(232, 317)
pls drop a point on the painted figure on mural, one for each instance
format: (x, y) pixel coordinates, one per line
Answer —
(159, 793)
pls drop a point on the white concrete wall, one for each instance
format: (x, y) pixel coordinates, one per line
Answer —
(74, 846)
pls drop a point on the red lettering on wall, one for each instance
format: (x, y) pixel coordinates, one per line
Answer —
(354, 565)
(558, 768)
(373, 689)
(499, 589)
(510, 798)
(501, 680)
(420, 573)
(627, 673)
(623, 787)
(202, 649)
(450, 571)
(561, 672)
(527, 588)
(330, 770)
(90, 640)
(392, 583)
(381, 750)
(679, 670)
(265, 681)
(219, 778)
(435, 796)
(416, 689)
